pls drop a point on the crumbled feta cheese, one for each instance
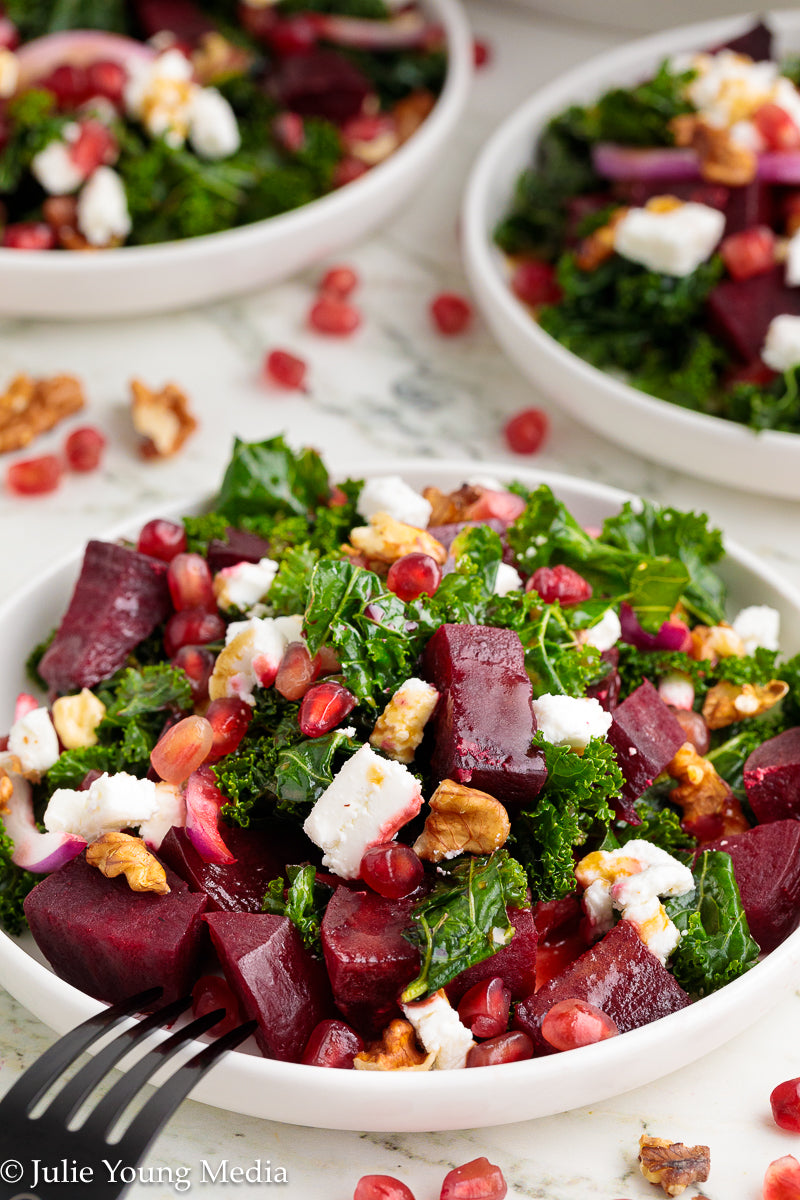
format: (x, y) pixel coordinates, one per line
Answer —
(758, 625)
(112, 802)
(369, 799)
(170, 811)
(391, 494)
(55, 169)
(290, 628)
(599, 907)
(160, 94)
(605, 633)
(244, 584)
(33, 739)
(657, 931)
(213, 131)
(103, 215)
(252, 655)
(570, 720)
(9, 73)
(781, 349)
(730, 86)
(508, 579)
(441, 1031)
(674, 242)
(399, 729)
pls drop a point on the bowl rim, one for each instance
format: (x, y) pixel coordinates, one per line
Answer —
(486, 261)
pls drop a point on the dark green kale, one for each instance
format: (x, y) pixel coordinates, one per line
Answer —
(34, 122)
(71, 766)
(395, 76)
(304, 770)
(715, 945)
(641, 116)
(35, 18)
(464, 919)
(556, 663)
(303, 901)
(271, 478)
(774, 405)
(14, 887)
(288, 592)
(369, 9)
(661, 824)
(246, 777)
(637, 665)
(35, 657)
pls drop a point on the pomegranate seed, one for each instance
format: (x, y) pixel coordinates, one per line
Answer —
(327, 661)
(94, 146)
(785, 1102)
(695, 728)
(506, 506)
(412, 575)
(572, 1023)
(476, 1180)
(198, 665)
(69, 84)
(190, 583)
(751, 252)
(526, 431)
(324, 706)
(514, 1046)
(534, 283)
(755, 372)
(481, 53)
(192, 627)
(347, 170)
(59, 211)
(381, 1187)
(451, 314)
(25, 704)
(339, 281)
(29, 235)
(334, 316)
(485, 1007)
(285, 370)
(3, 743)
(9, 34)
(212, 992)
(84, 448)
(332, 1044)
(229, 718)
(88, 779)
(782, 1180)
(182, 749)
(162, 539)
(289, 131)
(776, 127)
(294, 35)
(34, 476)
(559, 583)
(107, 78)
(392, 870)
(296, 673)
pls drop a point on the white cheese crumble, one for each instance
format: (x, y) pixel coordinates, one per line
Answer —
(33, 739)
(758, 625)
(441, 1031)
(369, 799)
(160, 95)
(252, 655)
(399, 729)
(781, 349)
(244, 584)
(508, 579)
(675, 242)
(170, 811)
(213, 131)
(112, 802)
(729, 86)
(9, 73)
(103, 214)
(391, 494)
(605, 633)
(55, 169)
(569, 720)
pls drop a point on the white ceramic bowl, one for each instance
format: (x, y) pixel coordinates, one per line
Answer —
(149, 279)
(365, 1100)
(710, 447)
(635, 14)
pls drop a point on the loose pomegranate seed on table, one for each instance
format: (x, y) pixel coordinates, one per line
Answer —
(29, 235)
(210, 993)
(162, 539)
(190, 583)
(229, 718)
(34, 476)
(451, 314)
(392, 870)
(334, 316)
(412, 575)
(324, 706)
(782, 1179)
(785, 1103)
(332, 1044)
(198, 664)
(381, 1187)
(514, 1046)
(525, 433)
(192, 627)
(534, 282)
(559, 583)
(475, 1180)
(749, 253)
(182, 749)
(285, 370)
(339, 281)
(296, 673)
(481, 53)
(573, 1022)
(485, 1007)
(84, 448)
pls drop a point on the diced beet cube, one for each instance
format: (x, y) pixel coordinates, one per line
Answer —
(237, 887)
(484, 723)
(120, 597)
(112, 942)
(240, 546)
(740, 310)
(772, 777)
(183, 18)
(277, 981)
(369, 961)
(606, 690)
(637, 192)
(645, 737)
(750, 205)
(766, 864)
(322, 83)
(555, 916)
(618, 975)
(756, 43)
(515, 963)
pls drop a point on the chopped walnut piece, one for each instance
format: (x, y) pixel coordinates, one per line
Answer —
(398, 1050)
(162, 418)
(599, 245)
(714, 642)
(29, 407)
(123, 854)
(710, 809)
(411, 111)
(462, 819)
(216, 60)
(673, 1165)
(6, 790)
(450, 507)
(722, 160)
(400, 727)
(728, 702)
(386, 540)
(76, 717)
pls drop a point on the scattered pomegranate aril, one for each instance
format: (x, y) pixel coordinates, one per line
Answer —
(25, 703)
(69, 84)
(324, 706)
(192, 627)
(34, 476)
(60, 211)
(198, 665)
(94, 146)
(572, 1023)
(559, 583)
(485, 1007)
(481, 53)
(392, 870)
(451, 314)
(332, 1044)
(29, 235)
(514, 1046)
(84, 448)
(296, 673)
(347, 170)
(182, 749)
(476, 1180)
(339, 281)
(381, 1187)
(107, 78)
(751, 252)
(776, 127)
(525, 433)
(229, 718)
(162, 539)
(285, 370)
(782, 1179)
(9, 34)
(534, 282)
(412, 575)
(190, 583)
(695, 728)
(289, 131)
(210, 993)
(334, 316)
(785, 1103)
(294, 35)
(327, 661)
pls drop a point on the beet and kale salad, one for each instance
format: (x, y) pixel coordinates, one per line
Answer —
(657, 233)
(415, 780)
(140, 121)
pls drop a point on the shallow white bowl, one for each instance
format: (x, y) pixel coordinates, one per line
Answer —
(633, 15)
(365, 1100)
(149, 279)
(710, 447)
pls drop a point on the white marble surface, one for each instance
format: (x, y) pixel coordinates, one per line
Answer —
(396, 388)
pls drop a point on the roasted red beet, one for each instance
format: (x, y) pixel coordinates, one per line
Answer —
(766, 864)
(321, 83)
(231, 887)
(212, 992)
(183, 18)
(771, 777)
(332, 1044)
(740, 310)
(241, 546)
(645, 737)
(514, 963)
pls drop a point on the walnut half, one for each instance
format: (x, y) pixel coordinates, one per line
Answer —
(123, 854)
(29, 407)
(162, 419)
(397, 1050)
(462, 819)
(710, 808)
(673, 1165)
(726, 702)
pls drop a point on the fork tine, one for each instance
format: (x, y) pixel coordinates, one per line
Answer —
(50, 1066)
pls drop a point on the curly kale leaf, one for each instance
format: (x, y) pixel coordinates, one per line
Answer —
(246, 777)
(553, 659)
(641, 116)
(289, 590)
(35, 657)
(14, 887)
(71, 766)
(271, 478)
(304, 770)
(303, 901)
(774, 405)
(660, 825)
(34, 122)
(35, 18)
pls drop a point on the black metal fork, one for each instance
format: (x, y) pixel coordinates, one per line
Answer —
(41, 1158)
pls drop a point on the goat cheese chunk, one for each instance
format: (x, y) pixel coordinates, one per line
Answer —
(729, 85)
(213, 131)
(758, 625)
(244, 584)
(170, 811)
(103, 215)
(605, 633)
(391, 494)
(399, 729)
(441, 1031)
(251, 657)
(674, 242)
(369, 799)
(112, 802)
(569, 720)
(55, 169)
(508, 579)
(781, 349)
(160, 94)
(34, 741)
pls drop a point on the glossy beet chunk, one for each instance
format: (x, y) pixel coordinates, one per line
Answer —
(233, 887)
(766, 864)
(277, 981)
(772, 777)
(119, 599)
(483, 724)
(333, 1044)
(111, 942)
(240, 546)
(515, 963)
(183, 18)
(321, 83)
(740, 310)
(756, 43)
(645, 737)
(618, 975)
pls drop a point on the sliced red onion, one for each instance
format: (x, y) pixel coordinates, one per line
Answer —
(630, 162)
(781, 167)
(203, 802)
(33, 850)
(77, 48)
(403, 32)
(673, 635)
